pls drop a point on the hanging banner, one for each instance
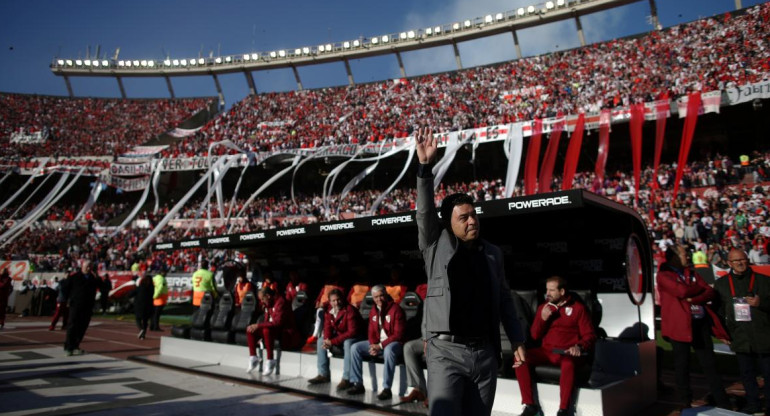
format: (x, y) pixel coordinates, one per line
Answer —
(573, 153)
(127, 184)
(604, 146)
(29, 138)
(637, 119)
(130, 169)
(746, 93)
(549, 160)
(709, 103)
(533, 159)
(662, 112)
(513, 147)
(687, 133)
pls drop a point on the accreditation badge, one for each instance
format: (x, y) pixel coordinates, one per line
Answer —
(697, 311)
(742, 310)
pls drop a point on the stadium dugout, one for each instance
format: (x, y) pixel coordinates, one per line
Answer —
(602, 248)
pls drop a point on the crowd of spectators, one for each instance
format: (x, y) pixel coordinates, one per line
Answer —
(705, 55)
(88, 126)
(723, 200)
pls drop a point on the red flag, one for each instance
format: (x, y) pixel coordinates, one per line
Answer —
(573, 152)
(604, 144)
(661, 111)
(546, 169)
(637, 119)
(533, 156)
(693, 105)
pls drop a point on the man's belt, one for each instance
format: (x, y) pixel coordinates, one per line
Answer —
(457, 339)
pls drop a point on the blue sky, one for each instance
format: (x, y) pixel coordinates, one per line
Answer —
(33, 33)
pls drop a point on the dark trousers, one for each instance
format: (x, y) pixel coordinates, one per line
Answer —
(704, 350)
(748, 365)
(79, 319)
(63, 312)
(461, 379)
(142, 322)
(156, 312)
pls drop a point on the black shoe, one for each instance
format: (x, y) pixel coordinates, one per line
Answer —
(562, 412)
(344, 385)
(385, 394)
(355, 389)
(319, 379)
(752, 409)
(531, 410)
(141, 334)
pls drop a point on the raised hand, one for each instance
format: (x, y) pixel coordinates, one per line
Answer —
(426, 145)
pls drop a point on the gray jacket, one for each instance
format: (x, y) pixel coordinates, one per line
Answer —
(438, 245)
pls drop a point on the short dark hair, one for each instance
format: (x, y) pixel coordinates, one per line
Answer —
(267, 291)
(204, 264)
(561, 283)
(336, 292)
(449, 203)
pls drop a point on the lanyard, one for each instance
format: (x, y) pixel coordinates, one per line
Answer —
(732, 286)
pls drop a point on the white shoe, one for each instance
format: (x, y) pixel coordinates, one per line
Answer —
(253, 363)
(269, 367)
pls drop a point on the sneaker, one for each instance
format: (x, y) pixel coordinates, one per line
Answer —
(68, 353)
(142, 333)
(319, 379)
(253, 363)
(356, 388)
(385, 394)
(311, 339)
(344, 385)
(78, 351)
(562, 412)
(269, 367)
(416, 395)
(531, 410)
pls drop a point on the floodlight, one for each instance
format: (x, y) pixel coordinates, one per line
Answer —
(467, 23)
(78, 62)
(428, 31)
(549, 5)
(121, 63)
(375, 40)
(321, 48)
(183, 62)
(385, 39)
(218, 60)
(136, 63)
(96, 63)
(167, 62)
(87, 62)
(329, 47)
(297, 51)
(437, 30)
(228, 59)
(69, 62)
(246, 57)
(273, 54)
(356, 43)
(402, 35)
(346, 45)
(60, 62)
(410, 34)
(254, 56)
(105, 63)
(488, 18)
(560, 3)
(456, 26)
(151, 63)
(306, 50)
(499, 16)
(520, 11)
(128, 64)
(144, 62)
(531, 9)
(201, 61)
(282, 53)
(175, 62)
(191, 61)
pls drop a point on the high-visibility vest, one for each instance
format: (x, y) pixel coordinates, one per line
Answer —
(160, 295)
(202, 282)
(744, 160)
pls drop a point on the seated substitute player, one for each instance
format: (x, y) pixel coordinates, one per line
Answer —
(566, 331)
